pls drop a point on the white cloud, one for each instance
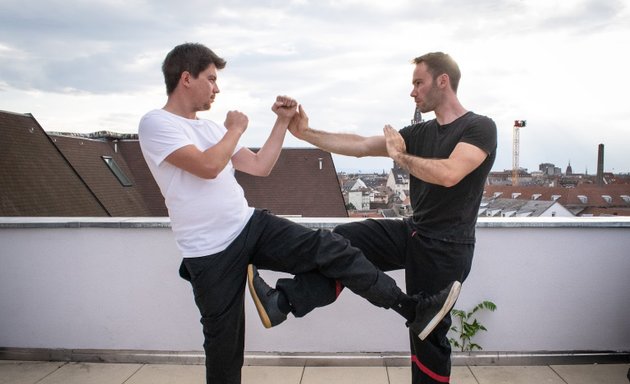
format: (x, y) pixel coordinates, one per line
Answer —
(92, 65)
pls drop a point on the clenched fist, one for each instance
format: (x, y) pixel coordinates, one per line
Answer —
(284, 106)
(237, 121)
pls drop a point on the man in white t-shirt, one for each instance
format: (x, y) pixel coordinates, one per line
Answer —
(221, 237)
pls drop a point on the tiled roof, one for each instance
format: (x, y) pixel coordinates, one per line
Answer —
(400, 176)
(372, 213)
(518, 207)
(60, 174)
(297, 185)
(86, 157)
(147, 187)
(582, 196)
(35, 178)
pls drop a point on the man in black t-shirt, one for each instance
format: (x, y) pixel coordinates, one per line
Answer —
(448, 210)
(448, 159)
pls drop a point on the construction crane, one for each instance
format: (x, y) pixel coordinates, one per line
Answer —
(518, 124)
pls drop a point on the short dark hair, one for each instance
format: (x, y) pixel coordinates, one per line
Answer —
(439, 63)
(188, 57)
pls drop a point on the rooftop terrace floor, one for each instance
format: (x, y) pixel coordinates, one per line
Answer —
(31, 372)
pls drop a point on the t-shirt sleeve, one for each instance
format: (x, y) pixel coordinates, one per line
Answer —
(481, 133)
(160, 136)
(406, 133)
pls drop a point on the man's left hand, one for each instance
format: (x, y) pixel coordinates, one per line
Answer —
(394, 141)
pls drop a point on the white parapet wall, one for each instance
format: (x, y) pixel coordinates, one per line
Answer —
(112, 284)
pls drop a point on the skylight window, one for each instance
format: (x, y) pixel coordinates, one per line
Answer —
(120, 175)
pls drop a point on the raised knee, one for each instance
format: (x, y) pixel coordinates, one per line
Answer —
(341, 229)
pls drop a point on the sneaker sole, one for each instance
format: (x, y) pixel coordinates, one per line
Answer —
(259, 307)
(446, 308)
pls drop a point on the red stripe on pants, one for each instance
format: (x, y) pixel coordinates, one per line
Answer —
(428, 372)
(338, 288)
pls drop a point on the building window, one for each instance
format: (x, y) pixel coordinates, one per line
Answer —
(120, 175)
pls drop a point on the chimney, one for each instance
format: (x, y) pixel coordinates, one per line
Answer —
(321, 163)
(600, 165)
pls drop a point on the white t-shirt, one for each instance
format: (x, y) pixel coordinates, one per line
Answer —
(206, 214)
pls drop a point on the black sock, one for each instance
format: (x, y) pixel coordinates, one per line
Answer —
(406, 307)
(283, 303)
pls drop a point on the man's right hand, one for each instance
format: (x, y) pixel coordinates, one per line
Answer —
(299, 124)
(236, 121)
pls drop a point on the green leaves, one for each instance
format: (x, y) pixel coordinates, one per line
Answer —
(468, 326)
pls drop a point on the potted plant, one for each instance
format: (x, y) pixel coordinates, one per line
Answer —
(467, 326)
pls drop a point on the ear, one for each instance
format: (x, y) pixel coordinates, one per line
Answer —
(443, 81)
(185, 78)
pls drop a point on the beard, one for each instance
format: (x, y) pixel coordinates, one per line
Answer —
(203, 105)
(430, 101)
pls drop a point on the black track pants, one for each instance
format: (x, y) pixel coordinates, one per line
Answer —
(319, 258)
(429, 264)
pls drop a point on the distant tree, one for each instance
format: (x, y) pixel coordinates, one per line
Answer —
(350, 207)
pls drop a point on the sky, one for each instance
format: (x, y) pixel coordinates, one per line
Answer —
(92, 65)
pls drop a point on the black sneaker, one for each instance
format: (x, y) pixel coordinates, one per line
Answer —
(432, 309)
(265, 299)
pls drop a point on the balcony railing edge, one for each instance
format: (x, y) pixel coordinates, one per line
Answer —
(481, 358)
(311, 222)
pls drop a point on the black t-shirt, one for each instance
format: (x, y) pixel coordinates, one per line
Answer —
(450, 214)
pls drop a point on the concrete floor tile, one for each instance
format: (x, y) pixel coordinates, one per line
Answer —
(593, 373)
(345, 375)
(402, 375)
(169, 374)
(462, 375)
(271, 375)
(92, 373)
(26, 372)
(399, 375)
(516, 375)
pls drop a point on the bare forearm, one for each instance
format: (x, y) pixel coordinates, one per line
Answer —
(347, 144)
(209, 163)
(268, 154)
(340, 143)
(434, 171)
(217, 156)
